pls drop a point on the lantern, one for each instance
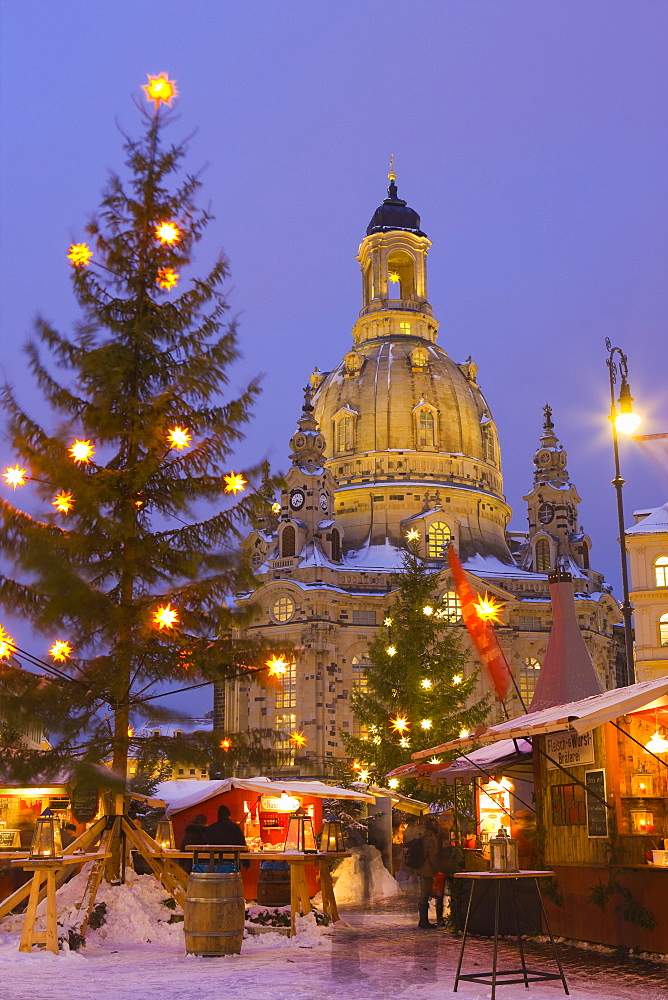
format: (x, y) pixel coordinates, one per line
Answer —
(46, 840)
(642, 783)
(300, 833)
(331, 838)
(503, 853)
(641, 821)
(164, 834)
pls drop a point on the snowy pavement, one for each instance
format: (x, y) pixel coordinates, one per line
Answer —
(377, 954)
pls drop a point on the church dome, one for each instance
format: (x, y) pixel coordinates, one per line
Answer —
(394, 215)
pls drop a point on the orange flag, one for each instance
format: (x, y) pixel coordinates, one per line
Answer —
(481, 632)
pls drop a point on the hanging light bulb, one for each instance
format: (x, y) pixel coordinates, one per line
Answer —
(626, 420)
(657, 744)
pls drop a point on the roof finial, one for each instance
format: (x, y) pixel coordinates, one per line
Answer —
(392, 178)
(308, 396)
(391, 175)
(547, 410)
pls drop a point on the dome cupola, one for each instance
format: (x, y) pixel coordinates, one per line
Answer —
(394, 213)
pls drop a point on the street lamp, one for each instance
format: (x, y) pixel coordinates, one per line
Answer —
(623, 421)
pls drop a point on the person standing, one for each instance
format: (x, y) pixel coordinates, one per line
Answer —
(225, 831)
(421, 855)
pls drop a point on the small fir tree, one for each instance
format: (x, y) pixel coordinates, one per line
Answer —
(417, 693)
(133, 546)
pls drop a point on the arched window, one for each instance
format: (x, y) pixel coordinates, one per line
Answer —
(426, 429)
(488, 443)
(344, 433)
(661, 571)
(336, 545)
(528, 678)
(542, 561)
(438, 537)
(584, 553)
(288, 541)
(663, 630)
(400, 275)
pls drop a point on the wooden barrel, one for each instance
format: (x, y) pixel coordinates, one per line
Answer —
(273, 884)
(214, 914)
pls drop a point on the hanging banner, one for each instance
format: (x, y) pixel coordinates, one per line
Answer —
(481, 632)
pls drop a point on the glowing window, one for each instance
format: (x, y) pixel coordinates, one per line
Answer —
(405, 327)
(283, 609)
(663, 630)
(288, 541)
(661, 570)
(419, 358)
(285, 724)
(344, 433)
(452, 606)
(528, 678)
(426, 429)
(542, 561)
(360, 685)
(286, 693)
(438, 538)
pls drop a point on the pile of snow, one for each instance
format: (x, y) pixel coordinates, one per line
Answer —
(363, 877)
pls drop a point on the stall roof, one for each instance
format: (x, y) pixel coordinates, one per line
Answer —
(499, 756)
(399, 801)
(576, 715)
(180, 795)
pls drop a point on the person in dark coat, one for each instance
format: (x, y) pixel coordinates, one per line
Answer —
(195, 833)
(225, 831)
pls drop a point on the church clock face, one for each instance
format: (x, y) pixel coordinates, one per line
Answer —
(323, 501)
(545, 513)
(296, 499)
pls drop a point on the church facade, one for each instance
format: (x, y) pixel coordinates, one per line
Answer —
(399, 438)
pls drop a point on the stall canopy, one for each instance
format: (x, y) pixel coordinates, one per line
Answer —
(486, 761)
(578, 716)
(399, 801)
(179, 795)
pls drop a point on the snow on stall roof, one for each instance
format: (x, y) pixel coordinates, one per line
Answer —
(486, 758)
(180, 795)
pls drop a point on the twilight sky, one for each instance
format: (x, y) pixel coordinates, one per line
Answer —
(531, 137)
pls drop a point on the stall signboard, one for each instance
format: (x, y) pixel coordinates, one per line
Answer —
(569, 749)
(597, 812)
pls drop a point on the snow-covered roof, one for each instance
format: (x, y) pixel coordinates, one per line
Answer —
(579, 716)
(150, 727)
(654, 523)
(490, 566)
(490, 758)
(180, 795)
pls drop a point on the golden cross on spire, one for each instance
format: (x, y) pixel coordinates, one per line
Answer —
(391, 175)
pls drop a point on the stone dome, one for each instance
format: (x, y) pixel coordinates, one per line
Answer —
(394, 215)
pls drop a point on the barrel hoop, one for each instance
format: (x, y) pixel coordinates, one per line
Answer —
(214, 934)
(215, 899)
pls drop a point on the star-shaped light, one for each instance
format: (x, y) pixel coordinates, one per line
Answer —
(299, 739)
(457, 679)
(179, 438)
(426, 723)
(166, 617)
(63, 502)
(426, 684)
(413, 535)
(488, 608)
(276, 508)
(60, 651)
(463, 734)
(160, 89)
(434, 760)
(393, 277)
(428, 610)
(277, 666)
(387, 622)
(404, 742)
(391, 650)
(15, 476)
(225, 745)
(79, 255)
(82, 451)
(393, 783)
(234, 483)
(7, 644)
(400, 724)
(167, 278)
(363, 775)
(168, 232)
(131, 732)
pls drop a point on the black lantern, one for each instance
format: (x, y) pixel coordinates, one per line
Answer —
(300, 833)
(331, 838)
(46, 840)
(164, 834)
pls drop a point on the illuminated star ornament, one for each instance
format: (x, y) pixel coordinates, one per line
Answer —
(404, 743)
(167, 232)
(7, 644)
(428, 610)
(82, 451)
(488, 608)
(167, 277)
(63, 502)
(60, 651)
(425, 683)
(160, 89)
(393, 783)
(179, 438)
(298, 739)
(234, 483)
(277, 666)
(79, 255)
(15, 476)
(166, 617)
(393, 277)
(363, 775)
(400, 724)
(391, 650)
(426, 723)
(413, 535)
(276, 508)
(225, 745)
(387, 622)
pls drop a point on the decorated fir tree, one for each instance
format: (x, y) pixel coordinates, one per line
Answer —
(417, 694)
(131, 548)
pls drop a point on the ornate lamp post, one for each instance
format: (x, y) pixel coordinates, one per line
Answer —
(624, 421)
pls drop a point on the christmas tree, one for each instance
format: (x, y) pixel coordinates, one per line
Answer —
(416, 694)
(133, 550)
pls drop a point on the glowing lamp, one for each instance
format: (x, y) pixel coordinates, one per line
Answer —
(234, 483)
(167, 278)
(463, 734)
(60, 651)
(427, 610)
(457, 679)
(387, 622)
(391, 650)
(7, 644)
(277, 666)
(300, 837)
(82, 451)
(166, 617)
(626, 420)
(363, 775)
(404, 743)
(434, 760)
(15, 476)
(168, 233)
(160, 90)
(642, 783)
(179, 438)
(331, 838)
(299, 739)
(504, 855)
(641, 821)
(400, 724)
(393, 783)
(657, 744)
(276, 508)
(164, 834)
(426, 723)
(488, 609)
(426, 684)
(46, 840)
(79, 255)
(131, 732)
(413, 535)
(63, 502)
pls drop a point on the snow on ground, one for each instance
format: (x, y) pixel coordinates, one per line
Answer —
(363, 876)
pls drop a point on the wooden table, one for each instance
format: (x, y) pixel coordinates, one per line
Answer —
(500, 976)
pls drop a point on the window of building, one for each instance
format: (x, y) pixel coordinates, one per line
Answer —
(364, 617)
(336, 545)
(529, 623)
(528, 678)
(285, 724)
(542, 560)
(451, 606)
(438, 538)
(661, 571)
(488, 443)
(584, 553)
(419, 358)
(360, 685)
(286, 692)
(288, 541)
(426, 429)
(405, 327)
(568, 805)
(663, 630)
(283, 609)
(344, 433)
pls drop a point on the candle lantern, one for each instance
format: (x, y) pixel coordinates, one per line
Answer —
(331, 838)
(46, 840)
(164, 834)
(641, 821)
(300, 833)
(503, 853)
(642, 783)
